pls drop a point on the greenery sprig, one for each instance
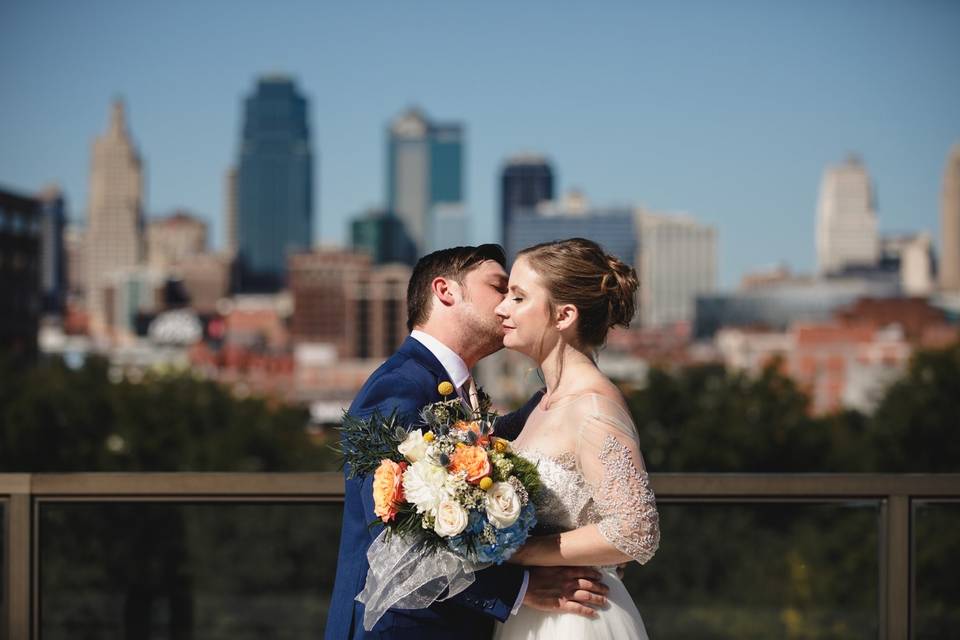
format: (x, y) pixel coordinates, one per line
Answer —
(366, 441)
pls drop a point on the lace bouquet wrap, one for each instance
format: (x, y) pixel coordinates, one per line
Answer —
(452, 499)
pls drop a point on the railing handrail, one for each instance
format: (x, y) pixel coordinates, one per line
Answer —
(329, 484)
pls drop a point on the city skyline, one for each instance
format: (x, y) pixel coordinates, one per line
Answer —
(730, 116)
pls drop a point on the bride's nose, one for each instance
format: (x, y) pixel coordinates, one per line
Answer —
(501, 309)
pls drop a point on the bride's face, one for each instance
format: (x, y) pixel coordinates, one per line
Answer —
(525, 312)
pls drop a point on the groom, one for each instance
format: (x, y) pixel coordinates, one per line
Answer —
(451, 299)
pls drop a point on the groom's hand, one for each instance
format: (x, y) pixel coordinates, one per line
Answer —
(566, 589)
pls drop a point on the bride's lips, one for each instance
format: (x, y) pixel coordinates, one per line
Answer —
(506, 327)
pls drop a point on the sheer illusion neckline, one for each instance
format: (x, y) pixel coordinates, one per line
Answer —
(567, 400)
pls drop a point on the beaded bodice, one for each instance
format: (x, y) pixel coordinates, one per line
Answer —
(592, 474)
(562, 501)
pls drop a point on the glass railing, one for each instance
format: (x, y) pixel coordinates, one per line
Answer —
(3, 559)
(254, 556)
(174, 570)
(762, 570)
(936, 550)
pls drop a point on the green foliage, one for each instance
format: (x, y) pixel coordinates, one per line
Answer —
(365, 442)
(706, 419)
(527, 473)
(916, 427)
(53, 418)
(700, 419)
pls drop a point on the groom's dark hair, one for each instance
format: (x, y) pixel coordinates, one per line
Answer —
(453, 263)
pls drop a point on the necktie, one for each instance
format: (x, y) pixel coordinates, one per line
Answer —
(471, 389)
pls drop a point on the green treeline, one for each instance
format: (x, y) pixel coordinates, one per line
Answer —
(705, 419)
(59, 419)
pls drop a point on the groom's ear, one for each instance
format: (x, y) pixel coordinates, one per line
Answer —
(441, 289)
(566, 315)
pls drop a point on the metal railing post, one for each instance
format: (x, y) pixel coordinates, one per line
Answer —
(896, 565)
(18, 588)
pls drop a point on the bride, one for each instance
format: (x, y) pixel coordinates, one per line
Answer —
(596, 507)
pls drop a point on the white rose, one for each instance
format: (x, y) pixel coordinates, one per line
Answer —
(503, 505)
(414, 447)
(451, 519)
(424, 484)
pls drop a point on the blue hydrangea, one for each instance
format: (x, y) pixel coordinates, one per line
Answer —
(470, 544)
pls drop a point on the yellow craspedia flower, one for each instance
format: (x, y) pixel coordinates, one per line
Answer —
(428, 436)
(486, 483)
(500, 445)
(445, 388)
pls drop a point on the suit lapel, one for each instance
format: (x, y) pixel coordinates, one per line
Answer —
(414, 349)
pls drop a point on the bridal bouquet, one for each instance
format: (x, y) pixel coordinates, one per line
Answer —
(452, 498)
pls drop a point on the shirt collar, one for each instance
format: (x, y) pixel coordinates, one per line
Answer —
(452, 363)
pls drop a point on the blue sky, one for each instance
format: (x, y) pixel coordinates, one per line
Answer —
(726, 110)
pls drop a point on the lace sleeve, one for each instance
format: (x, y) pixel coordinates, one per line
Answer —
(609, 458)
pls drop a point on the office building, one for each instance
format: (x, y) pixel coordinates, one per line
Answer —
(425, 168)
(21, 222)
(678, 262)
(846, 234)
(614, 229)
(950, 224)
(274, 185)
(114, 232)
(525, 182)
(342, 299)
(53, 254)
(173, 238)
(381, 234)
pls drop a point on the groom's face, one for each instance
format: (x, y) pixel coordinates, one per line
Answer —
(483, 290)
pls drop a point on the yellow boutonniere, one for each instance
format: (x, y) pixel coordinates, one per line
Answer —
(445, 388)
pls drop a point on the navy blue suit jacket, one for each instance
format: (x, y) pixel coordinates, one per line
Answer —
(407, 382)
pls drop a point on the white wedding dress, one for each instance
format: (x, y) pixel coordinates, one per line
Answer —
(593, 475)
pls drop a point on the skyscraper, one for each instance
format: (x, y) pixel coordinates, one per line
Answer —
(274, 186)
(53, 259)
(847, 233)
(526, 181)
(424, 169)
(114, 234)
(950, 224)
(230, 211)
(20, 249)
(173, 238)
(381, 235)
(678, 262)
(614, 229)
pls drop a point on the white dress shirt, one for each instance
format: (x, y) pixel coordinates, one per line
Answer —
(457, 369)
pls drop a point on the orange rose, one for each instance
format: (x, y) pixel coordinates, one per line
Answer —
(473, 460)
(473, 425)
(388, 489)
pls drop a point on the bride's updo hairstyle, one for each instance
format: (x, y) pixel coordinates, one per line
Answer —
(579, 272)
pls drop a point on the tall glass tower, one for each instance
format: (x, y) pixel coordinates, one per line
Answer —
(424, 169)
(526, 181)
(274, 186)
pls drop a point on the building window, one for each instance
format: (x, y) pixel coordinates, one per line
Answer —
(363, 328)
(390, 326)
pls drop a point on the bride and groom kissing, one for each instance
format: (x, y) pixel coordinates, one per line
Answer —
(596, 510)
